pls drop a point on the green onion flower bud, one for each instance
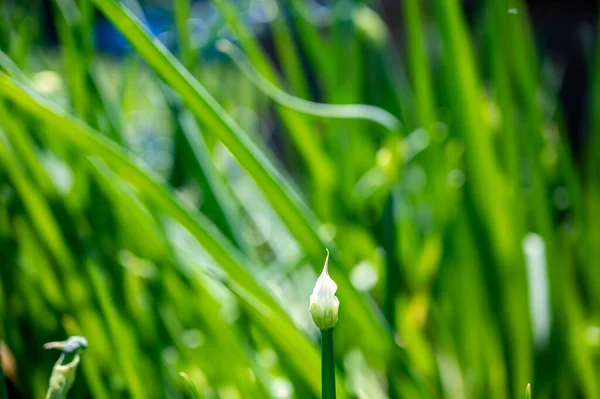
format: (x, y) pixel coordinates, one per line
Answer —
(323, 303)
(63, 372)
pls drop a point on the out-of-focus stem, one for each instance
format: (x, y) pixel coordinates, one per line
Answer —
(3, 392)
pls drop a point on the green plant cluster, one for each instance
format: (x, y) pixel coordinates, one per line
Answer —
(175, 211)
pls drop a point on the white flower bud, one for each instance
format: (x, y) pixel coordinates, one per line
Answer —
(323, 303)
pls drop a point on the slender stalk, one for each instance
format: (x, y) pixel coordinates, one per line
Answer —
(388, 238)
(327, 366)
(333, 111)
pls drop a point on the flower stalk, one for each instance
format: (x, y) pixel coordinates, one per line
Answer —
(327, 366)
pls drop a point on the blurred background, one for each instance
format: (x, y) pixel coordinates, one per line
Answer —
(172, 171)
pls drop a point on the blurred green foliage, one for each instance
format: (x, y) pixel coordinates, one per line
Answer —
(175, 211)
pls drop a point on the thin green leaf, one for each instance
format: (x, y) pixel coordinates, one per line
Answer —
(192, 388)
(333, 111)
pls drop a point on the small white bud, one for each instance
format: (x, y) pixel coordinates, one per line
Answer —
(323, 303)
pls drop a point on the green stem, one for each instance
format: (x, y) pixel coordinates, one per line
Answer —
(389, 240)
(327, 366)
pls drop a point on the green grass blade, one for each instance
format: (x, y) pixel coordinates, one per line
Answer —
(592, 189)
(132, 212)
(66, 18)
(36, 206)
(195, 163)
(126, 352)
(25, 149)
(333, 111)
(419, 65)
(289, 57)
(217, 201)
(191, 387)
(187, 53)
(313, 44)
